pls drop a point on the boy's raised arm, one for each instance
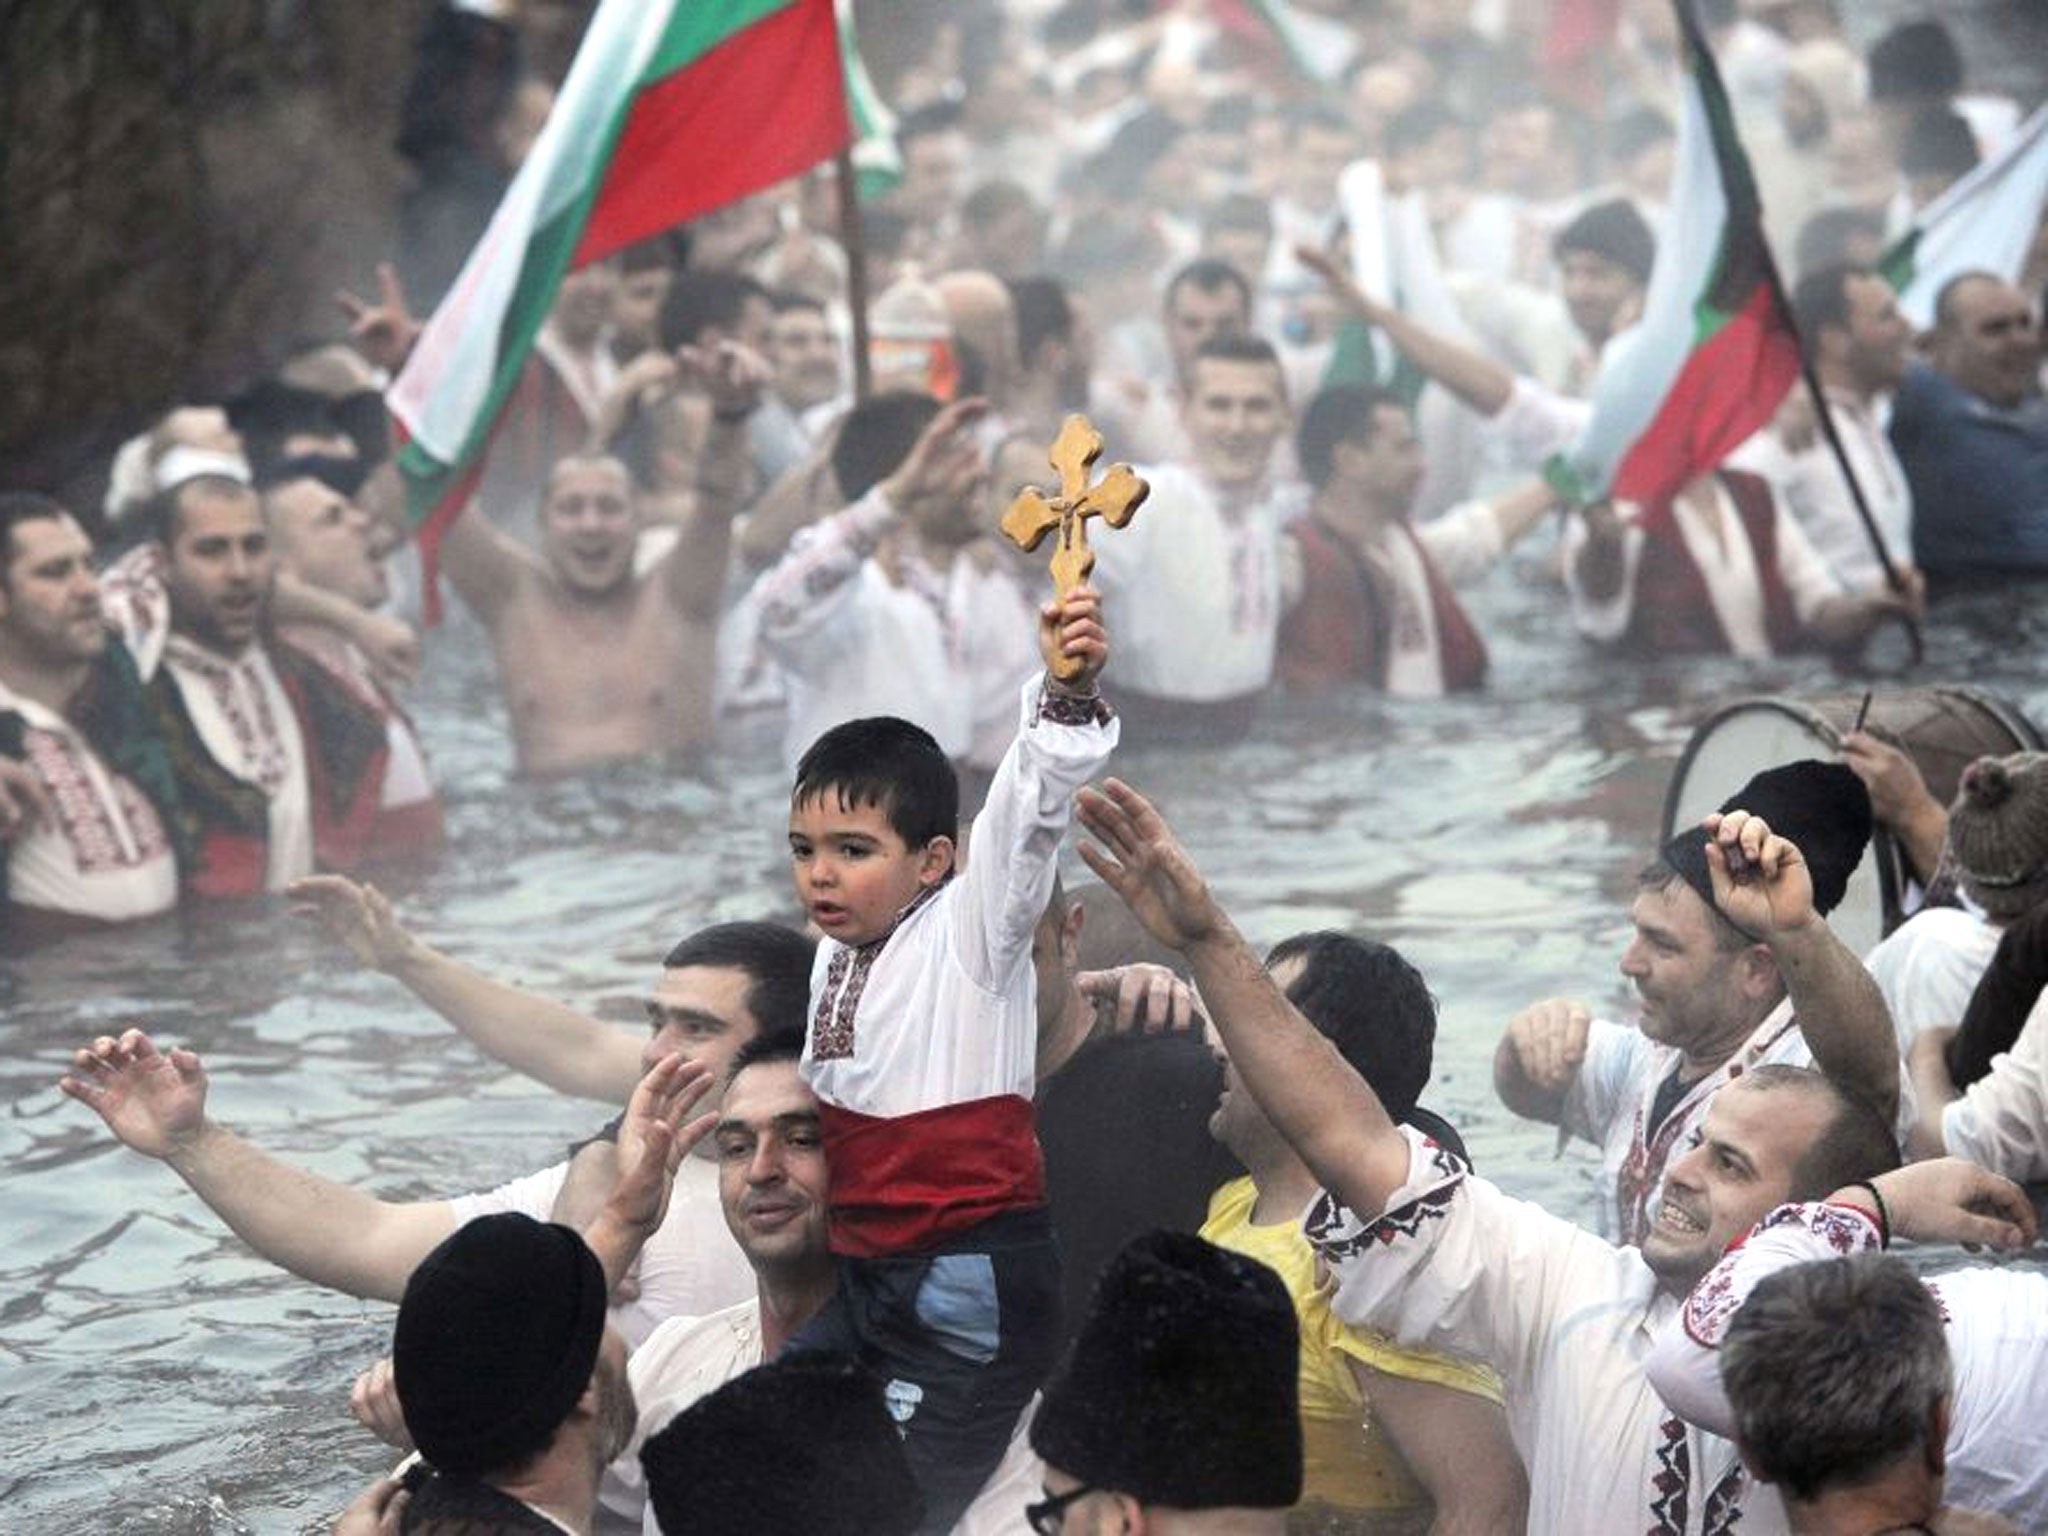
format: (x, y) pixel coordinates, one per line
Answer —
(1327, 1112)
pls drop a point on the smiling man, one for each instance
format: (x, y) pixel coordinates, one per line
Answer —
(600, 660)
(1719, 994)
(1415, 1245)
(1192, 586)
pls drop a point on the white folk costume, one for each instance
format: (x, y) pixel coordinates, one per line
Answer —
(1191, 589)
(923, 1043)
(855, 638)
(2001, 1120)
(409, 816)
(104, 852)
(1731, 575)
(1613, 1102)
(1997, 1326)
(1928, 967)
(1567, 1320)
(1810, 486)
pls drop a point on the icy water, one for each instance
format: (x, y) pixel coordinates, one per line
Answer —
(156, 1377)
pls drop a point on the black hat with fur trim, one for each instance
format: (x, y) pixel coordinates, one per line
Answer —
(1822, 808)
(1183, 1386)
(800, 1445)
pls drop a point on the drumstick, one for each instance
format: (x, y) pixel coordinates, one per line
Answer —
(1862, 710)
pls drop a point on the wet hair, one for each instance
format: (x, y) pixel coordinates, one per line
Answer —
(1242, 347)
(1821, 297)
(1209, 273)
(1369, 1002)
(18, 507)
(1945, 296)
(1340, 413)
(162, 513)
(996, 198)
(887, 763)
(1828, 237)
(698, 300)
(1856, 1143)
(777, 961)
(876, 436)
(1044, 313)
(771, 1045)
(1834, 1370)
(1938, 142)
(1916, 58)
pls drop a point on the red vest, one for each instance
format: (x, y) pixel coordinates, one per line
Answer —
(1673, 615)
(1337, 629)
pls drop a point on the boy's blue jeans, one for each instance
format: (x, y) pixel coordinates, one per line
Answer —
(960, 1337)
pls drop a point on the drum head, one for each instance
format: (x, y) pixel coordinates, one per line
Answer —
(1731, 747)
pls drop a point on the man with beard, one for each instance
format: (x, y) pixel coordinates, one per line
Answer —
(602, 662)
(1719, 996)
(1417, 1246)
(80, 837)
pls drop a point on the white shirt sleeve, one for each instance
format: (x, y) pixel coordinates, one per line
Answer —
(2001, 1121)
(1464, 542)
(1598, 1095)
(1013, 851)
(532, 1196)
(1535, 423)
(1454, 1264)
(805, 600)
(1685, 1363)
(1807, 577)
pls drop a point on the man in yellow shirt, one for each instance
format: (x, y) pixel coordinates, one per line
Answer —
(1390, 1435)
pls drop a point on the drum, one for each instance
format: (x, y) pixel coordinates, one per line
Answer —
(1943, 729)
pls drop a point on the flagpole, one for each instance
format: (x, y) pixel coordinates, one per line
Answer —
(1689, 29)
(853, 240)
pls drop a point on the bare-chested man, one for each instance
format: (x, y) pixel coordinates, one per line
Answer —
(600, 661)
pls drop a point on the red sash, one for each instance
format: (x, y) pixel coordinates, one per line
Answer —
(903, 1183)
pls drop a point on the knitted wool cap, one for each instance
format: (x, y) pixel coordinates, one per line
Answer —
(1822, 807)
(797, 1447)
(497, 1335)
(1613, 230)
(1998, 828)
(1183, 1387)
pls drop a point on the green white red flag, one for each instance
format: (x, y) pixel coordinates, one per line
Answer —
(1984, 223)
(1715, 352)
(672, 108)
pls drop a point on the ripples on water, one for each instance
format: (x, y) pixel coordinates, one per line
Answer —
(156, 1377)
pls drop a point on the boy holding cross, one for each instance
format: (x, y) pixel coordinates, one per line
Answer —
(922, 1048)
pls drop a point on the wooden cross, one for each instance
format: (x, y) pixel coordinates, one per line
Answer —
(1114, 498)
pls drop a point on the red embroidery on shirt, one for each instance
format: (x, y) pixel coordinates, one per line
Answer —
(83, 816)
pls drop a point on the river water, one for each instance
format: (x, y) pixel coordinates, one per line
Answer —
(156, 1377)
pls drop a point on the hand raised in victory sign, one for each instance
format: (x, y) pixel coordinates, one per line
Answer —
(1143, 862)
(154, 1103)
(654, 1137)
(1761, 883)
(1072, 626)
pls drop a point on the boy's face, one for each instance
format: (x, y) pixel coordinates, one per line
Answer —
(853, 871)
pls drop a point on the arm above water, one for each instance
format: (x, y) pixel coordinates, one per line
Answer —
(321, 1231)
(548, 1041)
(1458, 1446)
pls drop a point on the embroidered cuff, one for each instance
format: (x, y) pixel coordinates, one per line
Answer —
(1435, 1175)
(1072, 708)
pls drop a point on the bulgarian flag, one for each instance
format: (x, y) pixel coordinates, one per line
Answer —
(1318, 47)
(1715, 351)
(877, 162)
(671, 108)
(1984, 223)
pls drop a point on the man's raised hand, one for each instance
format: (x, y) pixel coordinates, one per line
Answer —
(385, 331)
(1143, 862)
(942, 464)
(731, 376)
(360, 916)
(1761, 883)
(654, 1137)
(373, 1400)
(154, 1103)
(1143, 997)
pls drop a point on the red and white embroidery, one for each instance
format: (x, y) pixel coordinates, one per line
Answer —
(84, 817)
(244, 703)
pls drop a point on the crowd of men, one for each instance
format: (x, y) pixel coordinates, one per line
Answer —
(812, 1277)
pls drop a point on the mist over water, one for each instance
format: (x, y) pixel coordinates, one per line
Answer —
(156, 1377)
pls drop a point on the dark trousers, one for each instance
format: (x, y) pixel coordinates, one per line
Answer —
(960, 1338)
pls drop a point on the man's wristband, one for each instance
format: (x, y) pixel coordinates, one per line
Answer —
(1884, 1215)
